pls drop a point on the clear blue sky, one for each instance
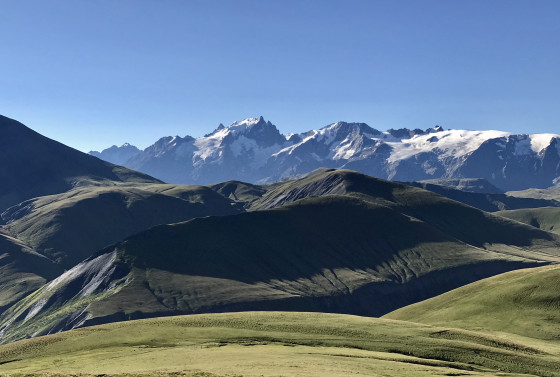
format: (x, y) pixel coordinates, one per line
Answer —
(96, 73)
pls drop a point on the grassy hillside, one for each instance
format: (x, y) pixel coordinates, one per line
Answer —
(71, 226)
(547, 218)
(475, 185)
(331, 254)
(489, 202)
(277, 344)
(241, 192)
(552, 193)
(524, 302)
(22, 270)
(36, 166)
(455, 219)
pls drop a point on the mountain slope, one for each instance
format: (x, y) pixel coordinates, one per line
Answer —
(236, 152)
(69, 227)
(485, 201)
(465, 223)
(547, 218)
(364, 252)
(22, 270)
(35, 166)
(474, 185)
(277, 344)
(523, 302)
(551, 193)
(253, 150)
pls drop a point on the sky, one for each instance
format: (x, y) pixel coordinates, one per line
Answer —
(96, 73)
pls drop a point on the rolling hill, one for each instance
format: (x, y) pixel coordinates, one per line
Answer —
(551, 193)
(547, 218)
(524, 302)
(373, 247)
(69, 227)
(490, 202)
(34, 165)
(277, 344)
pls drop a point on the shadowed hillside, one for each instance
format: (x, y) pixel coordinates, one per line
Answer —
(490, 202)
(22, 270)
(69, 227)
(352, 253)
(34, 165)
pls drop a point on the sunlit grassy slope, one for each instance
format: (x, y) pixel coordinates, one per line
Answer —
(549, 193)
(547, 218)
(524, 302)
(278, 344)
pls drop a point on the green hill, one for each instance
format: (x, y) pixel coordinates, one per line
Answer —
(277, 344)
(551, 193)
(34, 165)
(332, 253)
(71, 226)
(474, 185)
(22, 270)
(490, 202)
(547, 218)
(524, 302)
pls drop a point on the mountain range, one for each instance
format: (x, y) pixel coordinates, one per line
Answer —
(253, 150)
(465, 272)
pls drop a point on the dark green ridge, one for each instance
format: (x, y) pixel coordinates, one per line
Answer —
(34, 165)
(374, 249)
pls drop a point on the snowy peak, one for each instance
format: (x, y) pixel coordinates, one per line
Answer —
(263, 132)
(341, 130)
(254, 150)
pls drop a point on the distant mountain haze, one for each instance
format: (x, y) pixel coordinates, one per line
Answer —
(253, 150)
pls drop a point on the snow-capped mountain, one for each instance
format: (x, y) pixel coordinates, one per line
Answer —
(253, 150)
(117, 155)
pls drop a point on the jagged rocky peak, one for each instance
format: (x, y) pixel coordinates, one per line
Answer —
(344, 128)
(218, 129)
(262, 131)
(405, 133)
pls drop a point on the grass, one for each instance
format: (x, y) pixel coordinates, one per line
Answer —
(524, 302)
(551, 193)
(277, 344)
(71, 226)
(334, 253)
(547, 218)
